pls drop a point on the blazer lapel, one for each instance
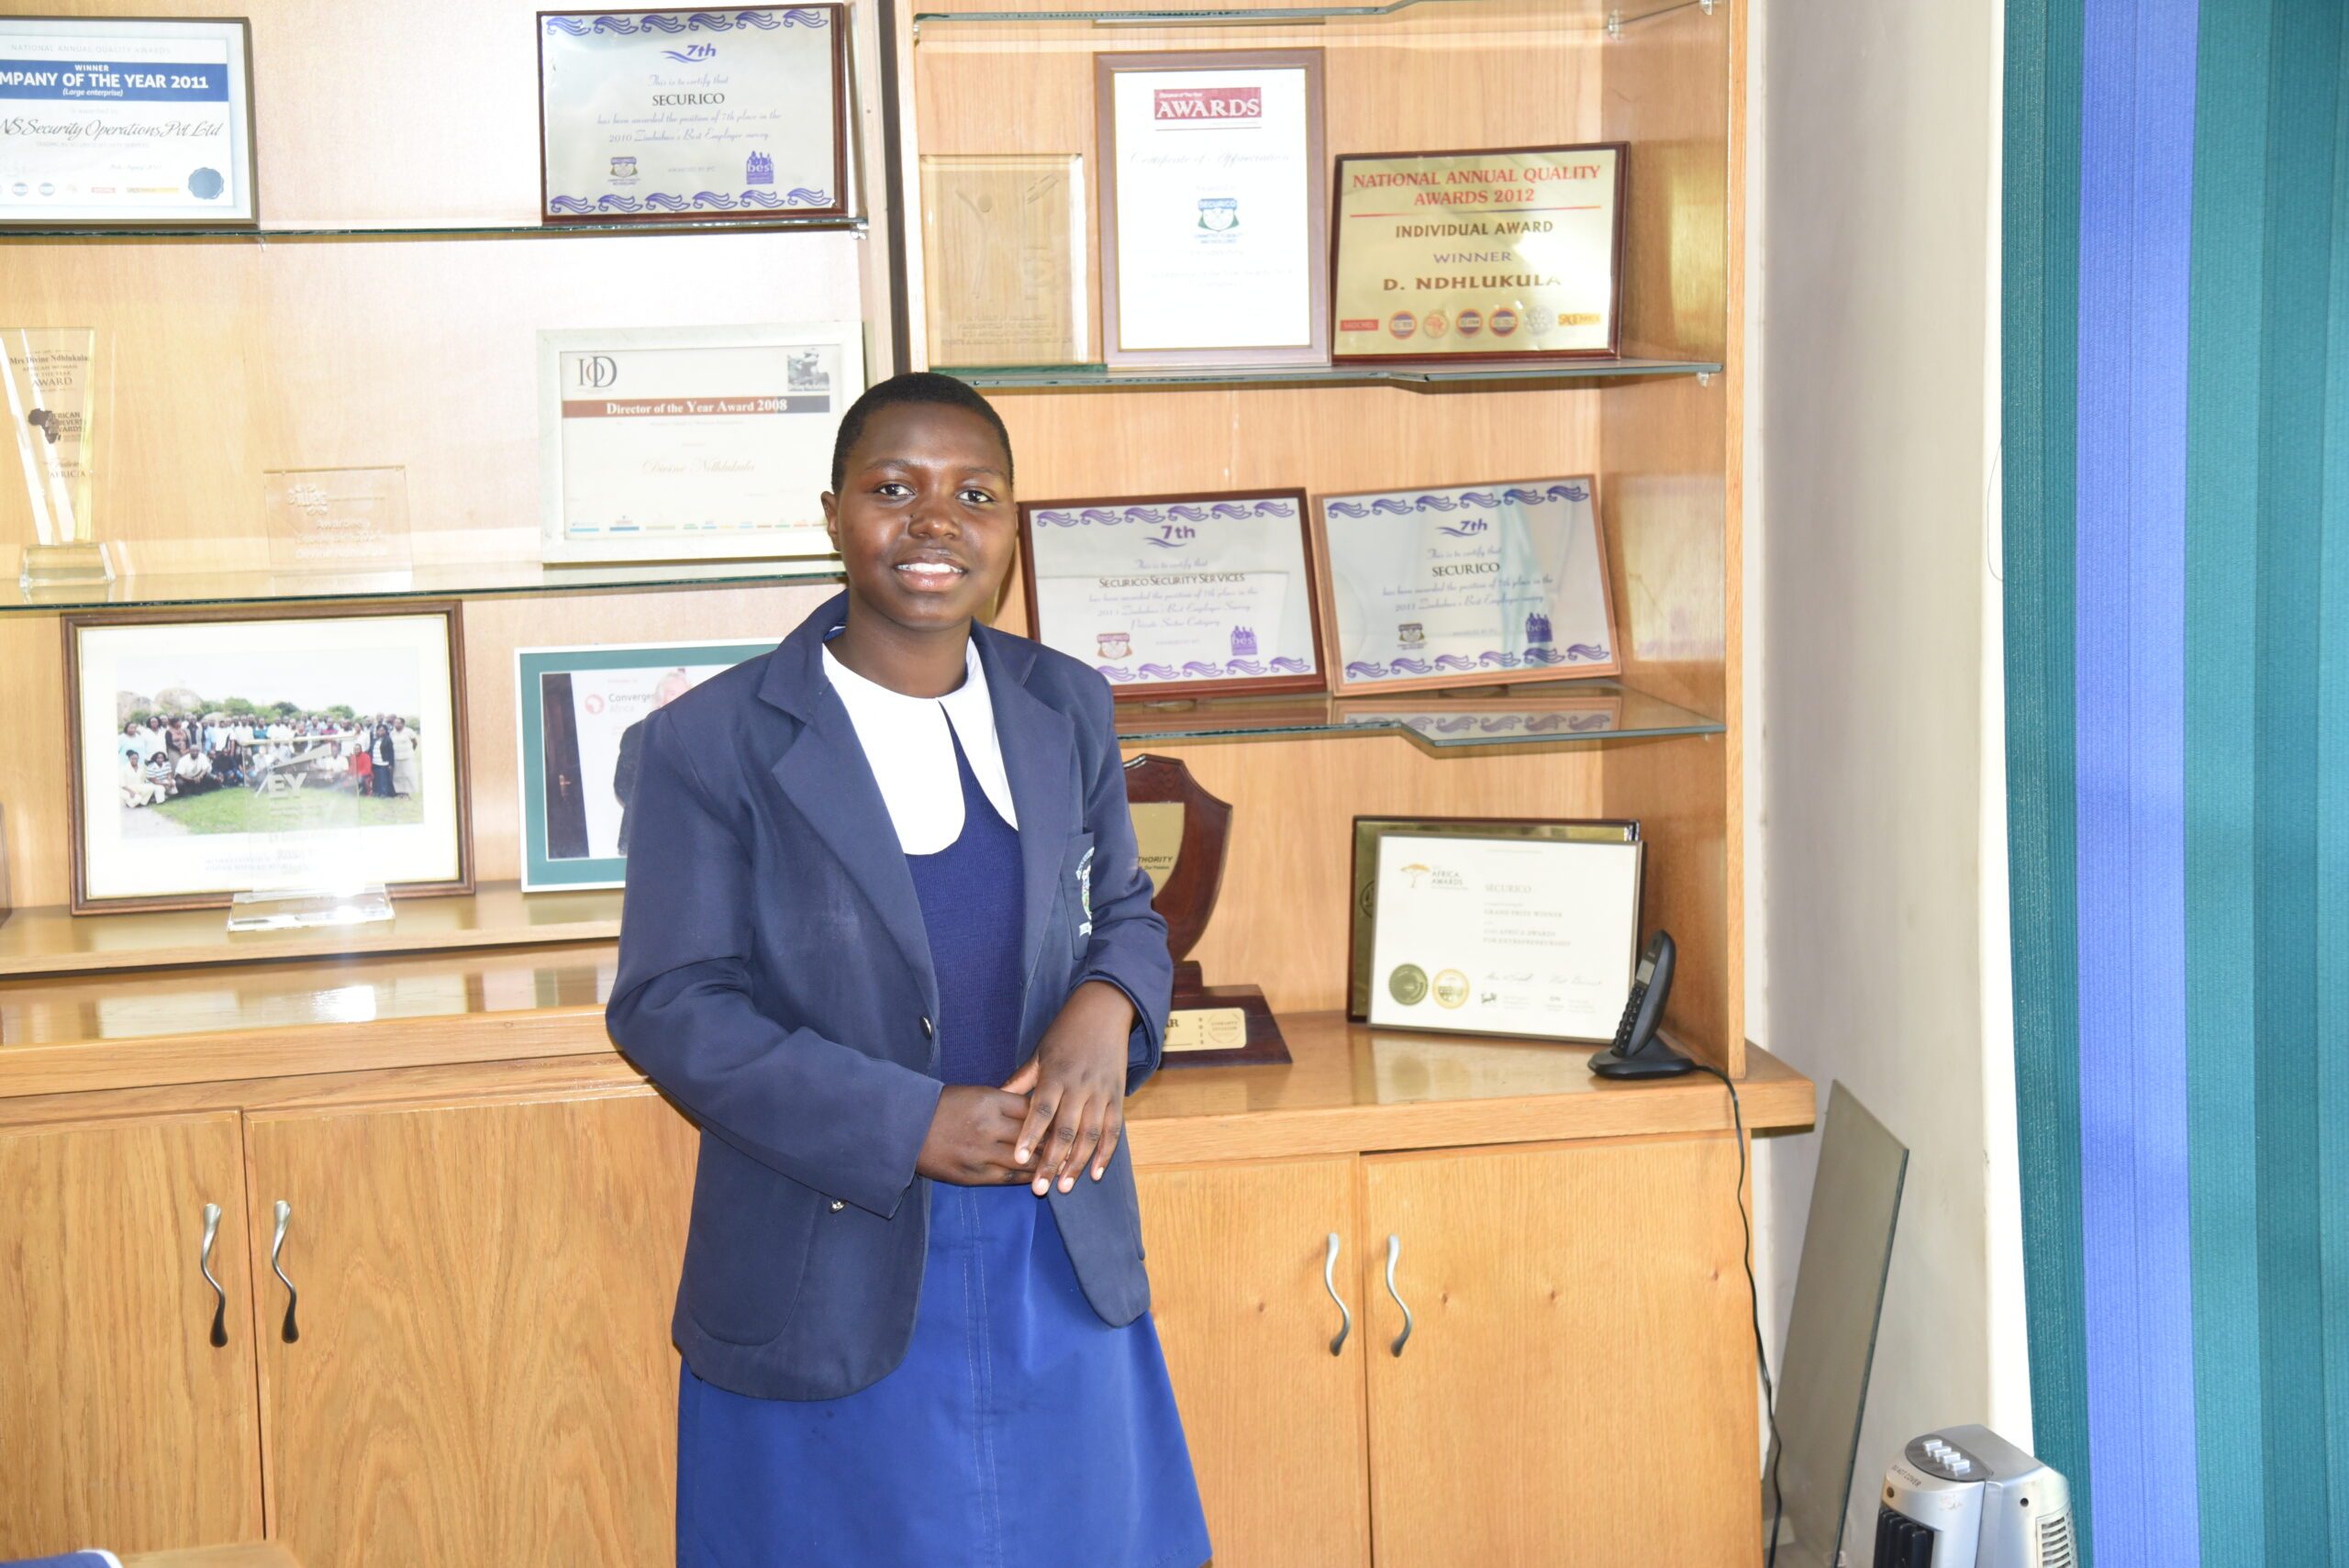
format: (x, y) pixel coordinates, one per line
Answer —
(1040, 762)
(824, 774)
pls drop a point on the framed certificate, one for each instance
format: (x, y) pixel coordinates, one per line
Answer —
(658, 115)
(126, 120)
(1515, 253)
(1213, 233)
(1476, 584)
(1369, 831)
(1177, 594)
(216, 752)
(1504, 935)
(1003, 258)
(578, 746)
(691, 442)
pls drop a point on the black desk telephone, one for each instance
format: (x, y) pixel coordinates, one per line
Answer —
(1638, 1050)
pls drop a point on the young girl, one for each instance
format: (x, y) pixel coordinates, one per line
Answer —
(888, 939)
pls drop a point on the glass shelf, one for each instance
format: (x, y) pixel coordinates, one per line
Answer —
(476, 580)
(1098, 378)
(1608, 16)
(451, 231)
(1537, 713)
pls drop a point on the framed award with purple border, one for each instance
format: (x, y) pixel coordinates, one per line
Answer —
(669, 116)
(1466, 584)
(1178, 596)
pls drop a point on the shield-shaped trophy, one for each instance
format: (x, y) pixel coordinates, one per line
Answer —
(1183, 832)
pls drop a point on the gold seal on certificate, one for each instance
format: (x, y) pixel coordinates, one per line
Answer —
(1452, 584)
(1214, 232)
(1178, 596)
(1504, 935)
(1515, 253)
(652, 117)
(687, 443)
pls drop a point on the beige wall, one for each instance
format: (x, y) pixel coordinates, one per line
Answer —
(1876, 893)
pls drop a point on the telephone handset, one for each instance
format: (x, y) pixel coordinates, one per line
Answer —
(1637, 1051)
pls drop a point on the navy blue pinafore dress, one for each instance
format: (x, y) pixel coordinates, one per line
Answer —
(1020, 1430)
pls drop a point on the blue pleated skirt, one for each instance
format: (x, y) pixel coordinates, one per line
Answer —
(1020, 1431)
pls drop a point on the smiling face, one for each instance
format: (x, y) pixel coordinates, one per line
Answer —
(923, 518)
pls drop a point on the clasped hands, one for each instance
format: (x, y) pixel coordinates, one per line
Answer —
(1064, 1108)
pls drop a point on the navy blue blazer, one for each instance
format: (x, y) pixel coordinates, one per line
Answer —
(774, 981)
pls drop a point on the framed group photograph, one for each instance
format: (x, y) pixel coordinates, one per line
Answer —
(1214, 208)
(214, 753)
(1466, 585)
(1178, 596)
(691, 443)
(654, 117)
(578, 735)
(136, 120)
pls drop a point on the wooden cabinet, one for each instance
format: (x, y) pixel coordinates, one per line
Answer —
(486, 1256)
(1577, 1387)
(1274, 1419)
(482, 1371)
(126, 1426)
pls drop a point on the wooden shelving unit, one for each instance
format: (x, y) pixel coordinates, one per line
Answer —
(481, 1194)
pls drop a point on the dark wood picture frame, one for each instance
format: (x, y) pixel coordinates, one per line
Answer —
(252, 171)
(1362, 909)
(451, 611)
(837, 28)
(1317, 680)
(1514, 358)
(1319, 195)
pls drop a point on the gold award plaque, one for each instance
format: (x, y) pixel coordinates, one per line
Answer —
(1003, 243)
(1479, 255)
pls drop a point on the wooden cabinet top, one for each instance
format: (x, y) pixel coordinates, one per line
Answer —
(458, 1025)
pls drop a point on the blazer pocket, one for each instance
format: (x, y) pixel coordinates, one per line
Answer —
(1077, 892)
(746, 1250)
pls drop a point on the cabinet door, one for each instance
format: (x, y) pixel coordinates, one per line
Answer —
(126, 1426)
(1274, 1420)
(482, 1371)
(1578, 1386)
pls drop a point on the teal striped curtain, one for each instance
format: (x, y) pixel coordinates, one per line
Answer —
(2175, 344)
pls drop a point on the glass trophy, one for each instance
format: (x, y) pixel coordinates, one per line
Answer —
(52, 384)
(337, 520)
(297, 909)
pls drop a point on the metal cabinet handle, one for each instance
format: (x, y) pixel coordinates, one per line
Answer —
(204, 1262)
(1330, 1283)
(277, 1244)
(1395, 1251)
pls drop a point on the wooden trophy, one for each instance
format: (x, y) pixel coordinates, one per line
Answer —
(1183, 831)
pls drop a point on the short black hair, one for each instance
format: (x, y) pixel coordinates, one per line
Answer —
(914, 386)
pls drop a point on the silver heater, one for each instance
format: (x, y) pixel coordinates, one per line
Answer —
(1966, 1497)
